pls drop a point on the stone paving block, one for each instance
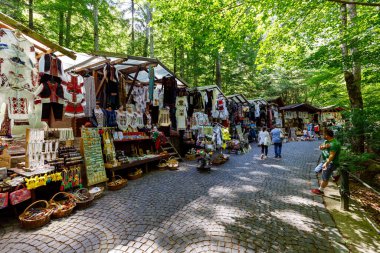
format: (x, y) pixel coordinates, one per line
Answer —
(236, 207)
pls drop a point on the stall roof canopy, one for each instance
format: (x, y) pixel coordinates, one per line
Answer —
(125, 64)
(276, 100)
(332, 108)
(208, 87)
(258, 101)
(238, 98)
(300, 107)
(41, 44)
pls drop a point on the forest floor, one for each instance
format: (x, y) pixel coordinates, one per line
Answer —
(360, 225)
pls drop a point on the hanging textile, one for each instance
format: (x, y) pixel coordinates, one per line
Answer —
(74, 94)
(89, 96)
(17, 62)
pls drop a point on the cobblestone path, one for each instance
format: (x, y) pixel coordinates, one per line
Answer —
(246, 205)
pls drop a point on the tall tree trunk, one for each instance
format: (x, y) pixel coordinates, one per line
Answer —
(96, 25)
(352, 76)
(31, 25)
(175, 60)
(194, 64)
(151, 41)
(68, 24)
(61, 27)
(181, 61)
(147, 31)
(133, 26)
(218, 73)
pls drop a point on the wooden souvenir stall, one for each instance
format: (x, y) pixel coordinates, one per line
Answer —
(122, 93)
(331, 115)
(297, 116)
(258, 112)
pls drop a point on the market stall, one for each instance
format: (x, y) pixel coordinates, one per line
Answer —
(331, 115)
(72, 120)
(299, 117)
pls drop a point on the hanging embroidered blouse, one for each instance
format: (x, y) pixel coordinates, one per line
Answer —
(199, 119)
(74, 94)
(148, 119)
(139, 119)
(221, 111)
(164, 117)
(19, 102)
(99, 115)
(121, 120)
(17, 62)
(158, 97)
(181, 112)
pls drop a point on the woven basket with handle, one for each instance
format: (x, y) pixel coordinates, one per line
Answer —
(172, 163)
(36, 217)
(117, 184)
(62, 208)
(83, 198)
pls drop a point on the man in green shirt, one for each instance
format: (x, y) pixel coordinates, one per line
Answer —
(330, 160)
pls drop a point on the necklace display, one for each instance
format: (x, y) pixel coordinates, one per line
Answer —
(42, 145)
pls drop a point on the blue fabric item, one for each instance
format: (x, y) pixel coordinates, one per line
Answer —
(277, 149)
(111, 118)
(276, 133)
(151, 82)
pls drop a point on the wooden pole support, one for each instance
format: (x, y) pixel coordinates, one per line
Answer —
(344, 188)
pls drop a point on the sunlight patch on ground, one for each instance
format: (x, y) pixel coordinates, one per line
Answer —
(258, 173)
(297, 200)
(295, 219)
(244, 168)
(221, 191)
(276, 166)
(298, 181)
(246, 188)
(246, 179)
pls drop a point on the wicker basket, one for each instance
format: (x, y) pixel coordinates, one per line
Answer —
(131, 176)
(41, 219)
(117, 184)
(98, 194)
(172, 163)
(191, 157)
(83, 203)
(58, 209)
(162, 165)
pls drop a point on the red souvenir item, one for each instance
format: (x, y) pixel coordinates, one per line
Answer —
(19, 195)
(3, 200)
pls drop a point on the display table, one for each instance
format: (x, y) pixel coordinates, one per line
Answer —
(38, 171)
(138, 163)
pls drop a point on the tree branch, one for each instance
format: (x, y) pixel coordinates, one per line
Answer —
(353, 2)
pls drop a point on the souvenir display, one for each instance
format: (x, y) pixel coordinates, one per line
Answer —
(93, 156)
(74, 95)
(108, 147)
(99, 116)
(121, 119)
(164, 117)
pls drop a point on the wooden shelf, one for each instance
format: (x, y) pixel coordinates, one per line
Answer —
(132, 140)
(137, 163)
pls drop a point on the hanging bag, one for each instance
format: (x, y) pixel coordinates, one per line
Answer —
(3, 200)
(21, 194)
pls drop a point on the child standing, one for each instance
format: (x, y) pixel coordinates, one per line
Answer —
(264, 141)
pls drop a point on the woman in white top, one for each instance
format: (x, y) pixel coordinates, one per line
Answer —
(264, 141)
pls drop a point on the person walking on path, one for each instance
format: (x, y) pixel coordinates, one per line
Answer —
(277, 136)
(330, 160)
(264, 141)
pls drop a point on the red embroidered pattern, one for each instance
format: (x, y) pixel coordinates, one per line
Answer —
(18, 105)
(2, 33)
